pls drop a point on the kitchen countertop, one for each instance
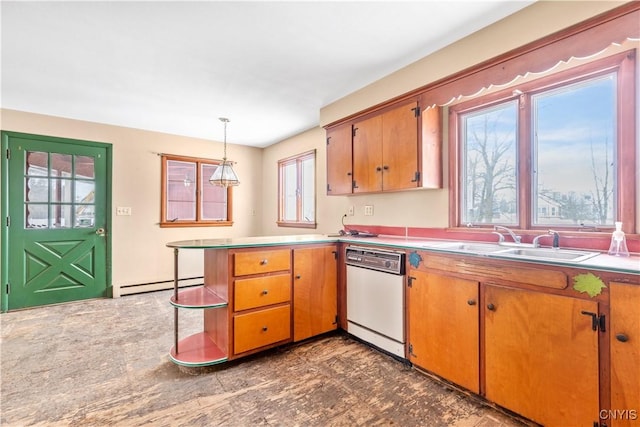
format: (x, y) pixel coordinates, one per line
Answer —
(602, 261)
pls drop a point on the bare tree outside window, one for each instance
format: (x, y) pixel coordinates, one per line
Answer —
(489, 137)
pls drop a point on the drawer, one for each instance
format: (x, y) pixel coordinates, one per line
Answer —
(256, 262)
(260, 328)
(261, 291)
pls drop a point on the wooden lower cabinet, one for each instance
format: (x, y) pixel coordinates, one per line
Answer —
(443, 329)
(625, 355)
(315, 286)
(260, 328)
(541, 356)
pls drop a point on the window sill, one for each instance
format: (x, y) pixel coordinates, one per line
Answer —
(196, 224)
(297, 224)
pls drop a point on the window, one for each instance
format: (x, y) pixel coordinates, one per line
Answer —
(547, 153)
(297, 191)
(188, 199)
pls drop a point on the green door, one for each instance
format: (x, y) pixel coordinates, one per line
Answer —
(56, 219)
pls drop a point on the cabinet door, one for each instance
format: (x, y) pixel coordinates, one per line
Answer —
(339, 160)
(400, 148)
(625, 354)
(541, 356)
(367, 155)
(315, 300)
(443, 327)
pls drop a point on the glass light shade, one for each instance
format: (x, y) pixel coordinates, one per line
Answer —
(224, 176)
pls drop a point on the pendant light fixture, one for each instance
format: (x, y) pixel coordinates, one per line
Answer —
(224, 176)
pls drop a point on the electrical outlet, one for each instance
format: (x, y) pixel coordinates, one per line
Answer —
(368, 210)
(123, 210)
(351, 210)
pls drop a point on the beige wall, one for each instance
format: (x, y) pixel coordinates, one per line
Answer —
(139, 253)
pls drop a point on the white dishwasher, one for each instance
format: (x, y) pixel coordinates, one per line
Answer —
(375, 297)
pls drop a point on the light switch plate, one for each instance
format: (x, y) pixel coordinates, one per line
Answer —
(368, 210)
(123, 210)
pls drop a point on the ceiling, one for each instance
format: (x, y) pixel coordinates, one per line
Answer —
(176, 67)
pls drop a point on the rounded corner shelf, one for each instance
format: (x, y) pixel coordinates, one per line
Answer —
(197, 350)
(200, 297)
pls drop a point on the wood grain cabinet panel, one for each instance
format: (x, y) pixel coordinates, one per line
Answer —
(625, 355)
(541, 356)
(260, 262)
(260, 328)
(444, 327)
(261, 291)
(315, 287)
(339, 160)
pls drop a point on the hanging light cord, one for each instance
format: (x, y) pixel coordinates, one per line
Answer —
(225, 121)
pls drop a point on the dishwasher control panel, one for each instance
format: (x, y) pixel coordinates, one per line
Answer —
(375, 259)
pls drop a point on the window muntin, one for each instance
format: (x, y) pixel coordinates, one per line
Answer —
(489, 153)
(188, 198)
(59, 190)
(296, 183)
(618, 71)
(574, 134)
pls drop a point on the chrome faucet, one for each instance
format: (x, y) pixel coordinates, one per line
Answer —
(516, 239)
(556, 239)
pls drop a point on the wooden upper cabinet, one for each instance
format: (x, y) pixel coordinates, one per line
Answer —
(367, 155)
(385, 150)
(339, 160)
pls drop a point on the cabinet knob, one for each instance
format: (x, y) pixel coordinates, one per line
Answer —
(298, 276)
(378, 169)
(622, 337)
(265, 292)
(491, 307)
(385, 167)
(471, 302)
(264, 262)
(264, 329)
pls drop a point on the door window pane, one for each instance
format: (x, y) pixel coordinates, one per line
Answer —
(488, 165)
(60, 216)
(60, 165)
(574, 134)
(85, 167)
(61, 190)
(36, 216)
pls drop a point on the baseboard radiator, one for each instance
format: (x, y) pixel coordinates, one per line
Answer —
(159, 286)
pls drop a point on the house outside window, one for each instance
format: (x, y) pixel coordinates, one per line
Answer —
(188, 199)
(297, 191)
(543, 154)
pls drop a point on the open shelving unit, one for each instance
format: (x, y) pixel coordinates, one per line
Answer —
(202, 348)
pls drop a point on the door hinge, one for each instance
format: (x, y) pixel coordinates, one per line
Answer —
(337, 319)
(411, 350)
(353, 132)
(8, 288)
(416, 111)
(597, 322)
(8, 154)
(410, 280)
(8, 221)
(416, 177)
(328, 188)
(335, 254)
(599, 424)
(328, 138)
(353, 184)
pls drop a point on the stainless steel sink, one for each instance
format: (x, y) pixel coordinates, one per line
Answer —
(476, 248)
(548, 254)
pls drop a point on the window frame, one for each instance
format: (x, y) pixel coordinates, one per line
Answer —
(624, 65)
(198, 222)
(297, 159)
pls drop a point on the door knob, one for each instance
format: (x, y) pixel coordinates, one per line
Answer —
(100, 231)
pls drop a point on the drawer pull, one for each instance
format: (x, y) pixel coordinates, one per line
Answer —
(264, 292)
(491, 307)
(298, 276)
(622, 337)
(264, 329)
(264, 262)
